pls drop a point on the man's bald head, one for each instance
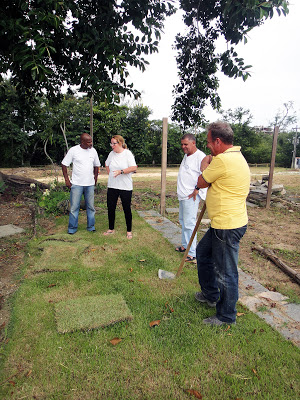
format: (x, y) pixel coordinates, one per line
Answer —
(86, 141)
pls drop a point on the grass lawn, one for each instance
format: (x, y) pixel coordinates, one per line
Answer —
(178, 358)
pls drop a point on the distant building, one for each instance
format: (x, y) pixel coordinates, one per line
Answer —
(268, 130)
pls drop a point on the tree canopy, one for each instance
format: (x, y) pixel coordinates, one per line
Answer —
(26, 136)
(197, 59)
(48, 43)
(90, 44)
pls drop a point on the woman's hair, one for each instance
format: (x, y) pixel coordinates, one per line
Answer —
(120, 140)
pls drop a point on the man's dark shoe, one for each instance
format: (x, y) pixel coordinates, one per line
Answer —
(72, 233)
(214, 321)
(191, 259)
(200, 297)
(180, 249)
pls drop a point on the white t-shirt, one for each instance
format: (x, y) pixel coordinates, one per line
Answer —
(189, 172)
(115, 162)
(84, 161)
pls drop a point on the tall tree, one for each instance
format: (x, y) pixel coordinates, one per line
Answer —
(137, 131)
(285, 117)
(14, 126)
(256, 146)
(286, 120)
(108, 121)
(60, 125)
(198, 61)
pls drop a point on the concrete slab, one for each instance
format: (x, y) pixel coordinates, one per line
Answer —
(272, 307)
(9, 230)
(167, 228)
(172, 210)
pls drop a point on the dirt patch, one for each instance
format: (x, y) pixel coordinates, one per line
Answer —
(278, 231)
(16, 208)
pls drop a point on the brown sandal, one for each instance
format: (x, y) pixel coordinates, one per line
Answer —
(109, 232)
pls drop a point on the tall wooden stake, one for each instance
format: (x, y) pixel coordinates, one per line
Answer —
(164, 167)
(272, 166)
(295, 148)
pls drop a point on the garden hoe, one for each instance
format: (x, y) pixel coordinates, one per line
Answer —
(169, 275)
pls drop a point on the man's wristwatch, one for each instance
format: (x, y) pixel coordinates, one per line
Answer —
(196, 187)
(122, 172)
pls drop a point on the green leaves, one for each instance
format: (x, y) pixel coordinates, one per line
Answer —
(78, 43)
(234, 66)
(197, 64)
(197, 61)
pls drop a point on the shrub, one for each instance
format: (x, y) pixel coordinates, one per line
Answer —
(50, 199)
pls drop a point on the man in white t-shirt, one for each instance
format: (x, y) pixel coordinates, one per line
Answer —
(84, 179)
(189, 172)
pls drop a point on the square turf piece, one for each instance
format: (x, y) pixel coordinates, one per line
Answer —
(91, 312)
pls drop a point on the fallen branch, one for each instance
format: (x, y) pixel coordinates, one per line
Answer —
(276, 260)
(21, 180)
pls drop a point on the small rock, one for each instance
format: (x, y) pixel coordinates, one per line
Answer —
(274, 296)
(205, 221)
(279, 205)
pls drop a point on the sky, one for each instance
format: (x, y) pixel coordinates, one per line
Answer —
(273, 50)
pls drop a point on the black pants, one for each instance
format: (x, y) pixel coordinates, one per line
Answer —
(112, 199)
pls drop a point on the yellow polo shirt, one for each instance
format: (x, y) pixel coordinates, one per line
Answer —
(229, 176)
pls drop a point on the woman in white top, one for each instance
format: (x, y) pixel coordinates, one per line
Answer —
(120, 164)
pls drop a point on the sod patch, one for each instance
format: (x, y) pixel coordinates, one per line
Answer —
(91, 312)
(58, 256)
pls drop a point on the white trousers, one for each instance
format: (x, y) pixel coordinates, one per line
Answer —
(187, 219)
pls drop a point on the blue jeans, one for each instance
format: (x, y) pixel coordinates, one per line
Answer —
(75, 197)
(187, 219)
(217, 261)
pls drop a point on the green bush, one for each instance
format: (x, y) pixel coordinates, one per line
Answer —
(49, 200)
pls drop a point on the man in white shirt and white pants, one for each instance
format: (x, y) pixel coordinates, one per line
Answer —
(84, 179)
(189, 172)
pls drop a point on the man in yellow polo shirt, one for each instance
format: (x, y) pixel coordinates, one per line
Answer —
(226, 174)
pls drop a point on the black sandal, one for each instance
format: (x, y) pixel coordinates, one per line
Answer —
(180, 249)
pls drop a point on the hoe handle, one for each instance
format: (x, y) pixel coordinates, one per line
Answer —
(191, 240)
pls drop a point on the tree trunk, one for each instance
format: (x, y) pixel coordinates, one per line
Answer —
(47, 155)
(63, 129)
(17, 180)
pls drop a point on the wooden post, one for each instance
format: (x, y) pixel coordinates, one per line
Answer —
(164, 167)
(91, 118)
(295, 149)
(271, 172)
